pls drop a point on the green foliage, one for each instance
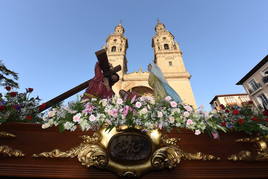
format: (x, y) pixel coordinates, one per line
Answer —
(8, 77)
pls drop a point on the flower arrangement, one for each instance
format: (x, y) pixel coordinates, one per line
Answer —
(246, 119)
(18, 107)
(142, 112)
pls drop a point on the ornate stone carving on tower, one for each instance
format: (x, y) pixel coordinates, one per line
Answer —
(167, 56)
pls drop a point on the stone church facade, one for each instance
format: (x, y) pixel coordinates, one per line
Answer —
(167, 55)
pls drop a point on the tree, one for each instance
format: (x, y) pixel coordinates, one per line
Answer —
(8, 77)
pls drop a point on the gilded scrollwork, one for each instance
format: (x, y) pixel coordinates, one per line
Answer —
(199, 156)
(166, 157)
(168, 141)
(243, 155)
(261, 150)
(89, 153)
(4, 134)
(93, 155)
(8, 151)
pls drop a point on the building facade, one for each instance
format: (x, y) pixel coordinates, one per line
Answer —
(255, 83)
(229, 100)
(167, 55)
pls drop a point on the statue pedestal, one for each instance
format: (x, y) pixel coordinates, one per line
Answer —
(32, 139)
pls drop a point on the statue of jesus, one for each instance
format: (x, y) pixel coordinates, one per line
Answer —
(100, 86)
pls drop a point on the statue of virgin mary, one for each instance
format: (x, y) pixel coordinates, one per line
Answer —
(160, 85)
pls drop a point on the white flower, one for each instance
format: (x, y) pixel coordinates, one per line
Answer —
(143, 98)
(45, 125)
(186, 114)
(68, 125)
(151, 100)
(73, 128)
(144, 111)
(119, 101)
(167, 98)
(197, 132)
(159, 114)
(92, 118)
(104, 102)
(51, 113)
(173, 104)
(93, 99)
(84, 125)
(171, 120)
(77, 117)
(138, 104)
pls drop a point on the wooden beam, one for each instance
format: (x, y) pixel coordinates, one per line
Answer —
(63, 96)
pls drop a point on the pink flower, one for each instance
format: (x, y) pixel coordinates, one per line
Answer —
(76, 118)
(160, 125)
(88, 108)
(197, 132)
(126, 110)
(167, 98)
(119, 101)
(133, 99)
(189, 122)
(138, 104)
(215, 135)
(173, 104)
(113, 112)
(188, 108)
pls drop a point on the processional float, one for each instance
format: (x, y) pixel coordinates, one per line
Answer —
(128, 151)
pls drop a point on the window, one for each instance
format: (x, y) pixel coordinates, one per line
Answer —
(264, 73)
(254, 86)
(263, 100)
(170, 63)
(166, 47)
(113, 48)
(115, 40)
(164, 38)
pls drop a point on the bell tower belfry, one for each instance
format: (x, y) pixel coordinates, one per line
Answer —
(168, 56)
(116, 48)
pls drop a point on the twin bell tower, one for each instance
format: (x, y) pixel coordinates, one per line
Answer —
(167, 55)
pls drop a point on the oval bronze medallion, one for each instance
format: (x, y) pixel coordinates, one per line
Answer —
(127, 147)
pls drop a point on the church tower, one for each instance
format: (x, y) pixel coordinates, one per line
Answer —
(168, 56)
(116, 47)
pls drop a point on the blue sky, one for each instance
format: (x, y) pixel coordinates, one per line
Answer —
(51, 43)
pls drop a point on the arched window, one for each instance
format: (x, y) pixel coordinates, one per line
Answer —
(113, 48)
(170, 63)
(166, 47)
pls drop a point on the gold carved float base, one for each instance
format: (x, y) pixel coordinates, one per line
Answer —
(261, 153)
(128, 152)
